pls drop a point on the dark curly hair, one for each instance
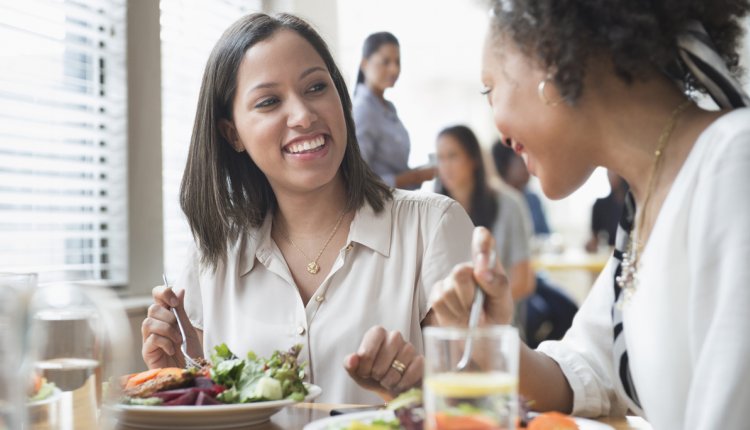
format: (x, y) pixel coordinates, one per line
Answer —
(639, 36)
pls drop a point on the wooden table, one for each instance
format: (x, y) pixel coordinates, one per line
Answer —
(296, 417)
(76, 410)
(571, 260)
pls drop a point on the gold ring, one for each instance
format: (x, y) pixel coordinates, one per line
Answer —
(398, 366)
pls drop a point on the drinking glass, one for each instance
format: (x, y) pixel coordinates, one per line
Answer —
(82, 338)
(482, 396)
(16, 290)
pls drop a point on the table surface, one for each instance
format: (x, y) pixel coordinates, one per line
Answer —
(571, 260)
(296, 417)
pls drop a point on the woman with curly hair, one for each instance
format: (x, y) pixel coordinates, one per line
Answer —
(579, 84)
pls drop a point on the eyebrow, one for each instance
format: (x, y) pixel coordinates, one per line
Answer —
(301, 76)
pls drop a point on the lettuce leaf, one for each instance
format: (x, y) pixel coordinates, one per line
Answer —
(243, 376)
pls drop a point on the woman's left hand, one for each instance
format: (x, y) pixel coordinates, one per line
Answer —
(385, 363)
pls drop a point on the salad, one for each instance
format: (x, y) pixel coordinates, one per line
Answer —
(40, 389)
(225, 379)
(409, 415)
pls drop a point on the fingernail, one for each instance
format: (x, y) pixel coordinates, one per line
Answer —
(482, 260)
(174, 302)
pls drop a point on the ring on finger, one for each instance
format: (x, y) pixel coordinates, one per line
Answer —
(398, 366)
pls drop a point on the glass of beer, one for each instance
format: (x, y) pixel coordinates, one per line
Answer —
(483, 393)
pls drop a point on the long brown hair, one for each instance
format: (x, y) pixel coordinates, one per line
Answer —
(484, 206)
(223, 193)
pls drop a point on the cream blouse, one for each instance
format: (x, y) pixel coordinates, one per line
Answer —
(383, 276)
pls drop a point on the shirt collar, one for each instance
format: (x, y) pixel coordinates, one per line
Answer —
(368, 228)
(373, 230)
(258, 245)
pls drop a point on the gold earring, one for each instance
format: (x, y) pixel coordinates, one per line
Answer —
(543, 97)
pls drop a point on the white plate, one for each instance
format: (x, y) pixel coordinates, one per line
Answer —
(203, 417)
(587, 424)
(342, 421)
(55, 396)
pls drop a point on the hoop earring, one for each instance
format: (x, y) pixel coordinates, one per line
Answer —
(543, 97)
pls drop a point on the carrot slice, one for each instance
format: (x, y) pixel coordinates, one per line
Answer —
(140, 378)
(464, 422)
(552, 421)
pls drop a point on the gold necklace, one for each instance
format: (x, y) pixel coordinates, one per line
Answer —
(628, 279)
(313, 267)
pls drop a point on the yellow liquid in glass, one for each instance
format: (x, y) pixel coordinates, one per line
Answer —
(471, 385)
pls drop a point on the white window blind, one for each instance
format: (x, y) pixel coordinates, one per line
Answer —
(62, 139)
(189, 30)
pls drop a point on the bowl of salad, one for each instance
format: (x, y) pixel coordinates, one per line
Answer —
(226, 392)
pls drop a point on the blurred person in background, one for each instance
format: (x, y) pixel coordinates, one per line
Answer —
(606, 213)
(578, 85)
(513, 172)
(463, 178)
(383, 139)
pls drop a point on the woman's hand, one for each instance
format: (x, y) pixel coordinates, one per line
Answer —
(452, 297)
(161, 335)
(385, 363)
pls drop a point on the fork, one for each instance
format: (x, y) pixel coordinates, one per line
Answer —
(474, 313)
(189, 361)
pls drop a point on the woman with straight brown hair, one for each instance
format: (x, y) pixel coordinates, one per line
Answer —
(297, 241)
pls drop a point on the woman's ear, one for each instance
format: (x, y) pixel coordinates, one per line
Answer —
(229, 133)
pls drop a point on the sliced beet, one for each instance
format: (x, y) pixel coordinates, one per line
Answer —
(171, 394)
(206, 400)
(185, 399)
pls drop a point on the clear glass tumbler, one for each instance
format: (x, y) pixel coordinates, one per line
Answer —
(16, 290)
(483, 395)
(82, 339)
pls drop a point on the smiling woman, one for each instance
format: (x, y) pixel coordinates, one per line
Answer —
(297, 241)
(574, 85)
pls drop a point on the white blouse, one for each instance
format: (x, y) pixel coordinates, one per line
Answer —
(687, 326)
(383, 276)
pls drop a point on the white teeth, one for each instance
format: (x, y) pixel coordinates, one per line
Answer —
(306, 146)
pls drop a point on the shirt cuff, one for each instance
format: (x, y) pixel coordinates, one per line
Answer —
(589, 400)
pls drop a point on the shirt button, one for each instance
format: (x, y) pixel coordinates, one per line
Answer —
(300, 330)
(319, 298)
(349, 247)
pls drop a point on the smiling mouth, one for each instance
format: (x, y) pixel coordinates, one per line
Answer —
(305, 147)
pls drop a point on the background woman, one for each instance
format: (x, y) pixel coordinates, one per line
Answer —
(297, 241)
(382, 137)
(574, 85)
(462, 177)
